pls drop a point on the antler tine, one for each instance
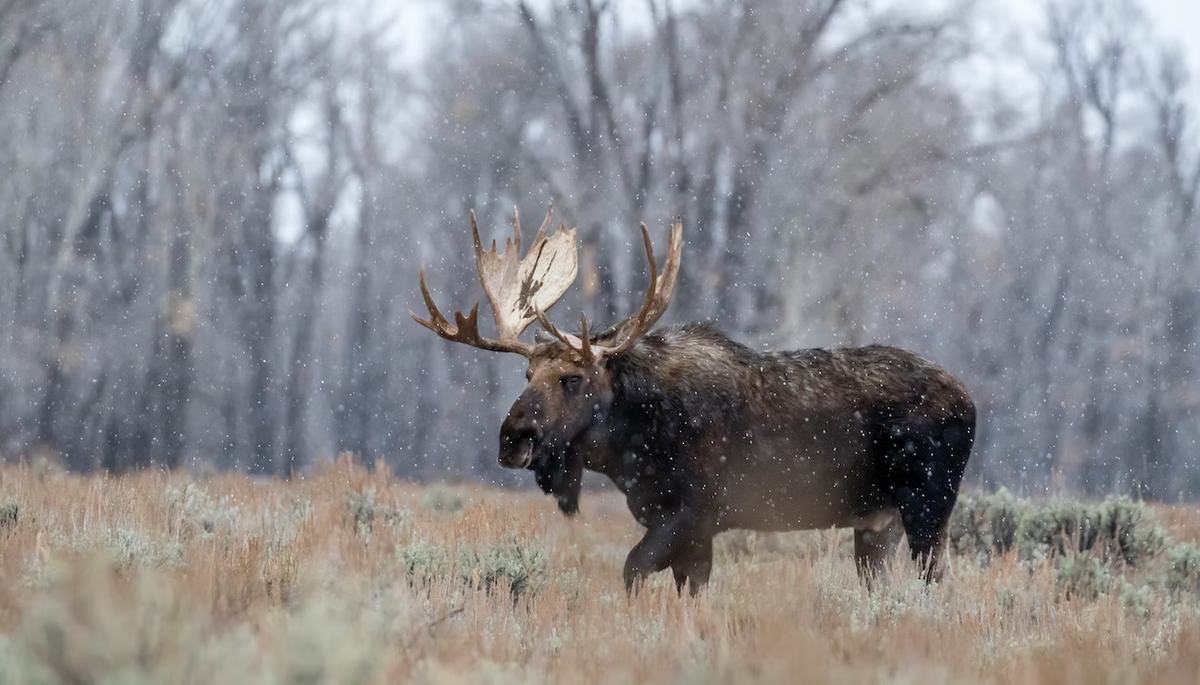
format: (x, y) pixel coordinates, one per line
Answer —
(550, 328)
(436, 322)
(466, 327)
(517, 229)
(478, 243)
(640, 323)
(541, 234)
(666, 285)
(586, 348)
(663, 288)
(582, 346)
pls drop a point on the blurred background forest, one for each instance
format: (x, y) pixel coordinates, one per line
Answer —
(212, 215)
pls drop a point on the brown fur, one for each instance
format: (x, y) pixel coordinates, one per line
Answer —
(703, 434)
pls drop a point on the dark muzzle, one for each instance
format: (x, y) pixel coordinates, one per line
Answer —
(517, 442)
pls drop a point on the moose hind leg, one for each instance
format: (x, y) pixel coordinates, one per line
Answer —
(873, 547)
(927, 468)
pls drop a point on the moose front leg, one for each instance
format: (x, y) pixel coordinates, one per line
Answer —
(693, 563)
(670, 539)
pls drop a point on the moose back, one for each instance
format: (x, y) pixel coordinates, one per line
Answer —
(703, 434)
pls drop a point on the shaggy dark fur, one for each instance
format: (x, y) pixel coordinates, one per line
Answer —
(703, 434)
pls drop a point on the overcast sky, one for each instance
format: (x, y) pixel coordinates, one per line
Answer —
(1173, 20)
(1179, 20)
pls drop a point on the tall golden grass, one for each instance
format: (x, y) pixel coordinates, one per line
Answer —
(352, 576)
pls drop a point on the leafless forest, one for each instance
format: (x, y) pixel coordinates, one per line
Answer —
(212, 215)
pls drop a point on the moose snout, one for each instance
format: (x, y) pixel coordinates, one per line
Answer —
(519, 434)
(516, 446)
(516, 450)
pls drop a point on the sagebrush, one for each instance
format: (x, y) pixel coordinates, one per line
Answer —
(350, 576)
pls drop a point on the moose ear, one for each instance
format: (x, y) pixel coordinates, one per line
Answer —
(561, 477)
(540, 336)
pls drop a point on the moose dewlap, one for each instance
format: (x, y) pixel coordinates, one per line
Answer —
(703, 434)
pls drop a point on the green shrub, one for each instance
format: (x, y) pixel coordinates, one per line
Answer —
(85, 626)
(362, 511)
(1096, 548)
(138, 547)
(1183, 567)
(1115, 528)
(442, 498)
(486, 568)
(423, 562)
(1002, 514)
(96, 623)
(8, 515)
(1083, 575)
(360, 508)
(192, 505)
(988, 524)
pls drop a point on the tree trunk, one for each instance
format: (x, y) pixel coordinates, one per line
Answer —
(258, 313)
(302, 367)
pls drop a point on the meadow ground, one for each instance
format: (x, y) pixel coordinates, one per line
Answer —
(351, 576)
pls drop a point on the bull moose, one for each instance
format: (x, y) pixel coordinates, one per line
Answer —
(703, 434)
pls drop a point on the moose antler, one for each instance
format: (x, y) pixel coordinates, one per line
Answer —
(518, 289)
(661, 290)
(658, 298)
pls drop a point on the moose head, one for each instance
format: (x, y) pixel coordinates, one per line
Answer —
(569, 383)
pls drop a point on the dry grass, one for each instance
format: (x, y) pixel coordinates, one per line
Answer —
(353, 577)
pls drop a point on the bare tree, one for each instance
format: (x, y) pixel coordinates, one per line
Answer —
(206, 209)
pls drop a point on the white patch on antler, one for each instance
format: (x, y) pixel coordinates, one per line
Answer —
(517, 288)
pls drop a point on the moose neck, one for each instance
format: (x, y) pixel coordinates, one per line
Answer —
(600, 448)
(646, 418)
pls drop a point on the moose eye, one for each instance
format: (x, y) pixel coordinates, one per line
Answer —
(571, 381)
